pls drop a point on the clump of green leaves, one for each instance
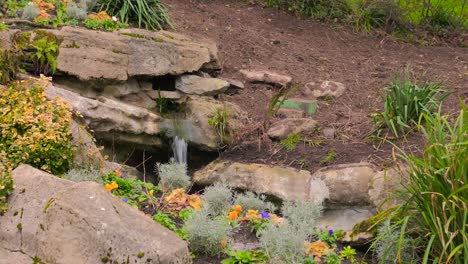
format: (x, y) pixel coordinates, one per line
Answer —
(45, 55)
(241, 256)
(318, 9)
(166, 221)
(330, 157)
(406, 101)
(173, 176)
(132, 191)
(151, 14)
(290, 143)
(105, 24)
(219, 121)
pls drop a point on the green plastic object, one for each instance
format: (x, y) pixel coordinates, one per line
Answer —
(309, 108)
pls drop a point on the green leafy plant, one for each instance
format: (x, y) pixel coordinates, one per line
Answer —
(219, 121)
(290, 143)
(259, 225)
(437, 192)
(132, 191)
(406, 101)
(241, 257)
(151, 14)
(106, 24)
(330, 157)
(330, 237)
(348, 253)
(45, 55)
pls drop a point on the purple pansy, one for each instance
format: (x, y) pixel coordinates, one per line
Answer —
(125, 199)
(330, 232)
(265, 215)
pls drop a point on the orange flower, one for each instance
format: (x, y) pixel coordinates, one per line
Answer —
(233, 215)
(318, 249)
(118, 173)
(111, 186)
(238, 208)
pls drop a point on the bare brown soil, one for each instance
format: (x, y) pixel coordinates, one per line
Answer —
(253, 37)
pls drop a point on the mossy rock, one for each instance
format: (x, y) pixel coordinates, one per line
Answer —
(371, 224)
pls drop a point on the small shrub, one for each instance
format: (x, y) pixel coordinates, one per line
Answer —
(368, 15)
(388, 243)
(83, 174)
(33, 131)
(301, 215)
(406, 101)
(218, 199)
(290, 143)
(173, 176)
(283, 244)
(207, 235)
(251, 201)
(30, 12)
(151, 14)
(76, 12)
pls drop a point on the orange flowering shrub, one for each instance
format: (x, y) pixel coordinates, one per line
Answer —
(33, 131)
(100, 16)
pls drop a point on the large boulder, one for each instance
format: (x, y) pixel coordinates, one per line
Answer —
(128, 53)
(59, 221)
(337, 186)
(283, 183)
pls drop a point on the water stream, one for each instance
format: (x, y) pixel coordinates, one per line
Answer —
(179, 148)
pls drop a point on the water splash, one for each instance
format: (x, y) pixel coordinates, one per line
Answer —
(179, 148)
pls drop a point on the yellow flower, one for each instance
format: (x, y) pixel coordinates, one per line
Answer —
(151, 192)
(253, 214)
(111, 186)
(224, 243)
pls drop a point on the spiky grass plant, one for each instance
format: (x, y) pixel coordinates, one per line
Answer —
(437, 201)
(151, 14)
(405, 102)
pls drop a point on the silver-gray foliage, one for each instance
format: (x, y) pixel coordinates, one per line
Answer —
(173, 176)
(76, 12)
(206, 234)
(83, 174)
(30, 11)
(251, 201)
(218, 199)
(387, 245)
(283, 244)
(301, 215)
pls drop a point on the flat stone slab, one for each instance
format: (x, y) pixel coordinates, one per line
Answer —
(344, 218)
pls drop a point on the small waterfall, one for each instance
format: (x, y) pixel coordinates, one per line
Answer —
(179, 148)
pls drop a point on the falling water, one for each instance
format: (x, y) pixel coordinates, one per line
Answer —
(179, 148)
